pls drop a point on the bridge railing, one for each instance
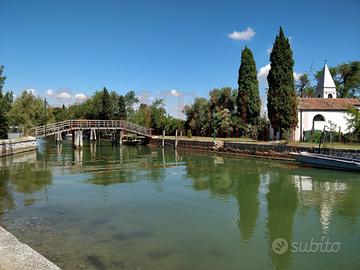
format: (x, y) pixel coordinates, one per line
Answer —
(69, 125)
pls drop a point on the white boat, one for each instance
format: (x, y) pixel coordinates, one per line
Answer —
(328, 162)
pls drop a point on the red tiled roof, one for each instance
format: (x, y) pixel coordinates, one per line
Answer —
(328, 104)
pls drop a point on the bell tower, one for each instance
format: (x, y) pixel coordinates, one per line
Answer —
(326, 87)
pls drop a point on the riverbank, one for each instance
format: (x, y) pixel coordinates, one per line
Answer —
(269, 150)
(18, 256)
(14, 146)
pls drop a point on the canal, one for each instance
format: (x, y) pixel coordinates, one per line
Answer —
(139, 207)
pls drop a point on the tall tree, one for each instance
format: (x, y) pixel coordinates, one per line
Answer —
(4, 123)
(106, 105)
(130, 101)
(248, 99)
(282, 100)
(122, 108)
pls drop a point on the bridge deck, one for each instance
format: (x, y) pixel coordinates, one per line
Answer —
(69, 125)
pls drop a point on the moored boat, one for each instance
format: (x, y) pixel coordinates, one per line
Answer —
(327, 161)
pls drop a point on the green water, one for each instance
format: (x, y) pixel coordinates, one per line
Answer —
(145, 208)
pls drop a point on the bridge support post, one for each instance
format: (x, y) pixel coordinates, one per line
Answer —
(58, 137)
(80, 138)
(163, 139)
(73, 138)
(92, 134)
(121, 138)
(78, 142)
(176, 139)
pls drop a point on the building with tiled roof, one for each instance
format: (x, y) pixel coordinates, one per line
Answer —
(318, 113)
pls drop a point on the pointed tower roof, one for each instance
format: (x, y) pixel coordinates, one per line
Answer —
(326, 80)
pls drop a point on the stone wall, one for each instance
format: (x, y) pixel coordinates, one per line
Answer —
(203, 145)
(265, 149)
(10, 147)
(271, 150)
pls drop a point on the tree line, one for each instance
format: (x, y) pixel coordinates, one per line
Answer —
(29, 110)
(227, 111)
(238, 112)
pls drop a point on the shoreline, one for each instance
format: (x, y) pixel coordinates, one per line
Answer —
(11, 147)
(246, 149)
(16, 255)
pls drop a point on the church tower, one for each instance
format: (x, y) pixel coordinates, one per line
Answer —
(326, 87)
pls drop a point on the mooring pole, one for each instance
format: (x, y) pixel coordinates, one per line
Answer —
(176, 139)
(163, 139)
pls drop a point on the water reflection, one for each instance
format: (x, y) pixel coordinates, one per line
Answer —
(282, 203)
(264, 196)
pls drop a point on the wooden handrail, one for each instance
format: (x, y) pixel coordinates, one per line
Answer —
(69, 125)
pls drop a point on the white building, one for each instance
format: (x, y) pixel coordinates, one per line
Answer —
(317, 113)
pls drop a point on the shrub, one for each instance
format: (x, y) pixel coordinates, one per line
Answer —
(189, 135)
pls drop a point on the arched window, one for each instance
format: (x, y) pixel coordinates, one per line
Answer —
(318, 122)
(330, 96)
(319, 96)
(319, 117)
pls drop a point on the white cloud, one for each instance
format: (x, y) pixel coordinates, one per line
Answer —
(50, 92)
(263, 72)
(269, 50)
(175, 93)
(79, 97)
(247, 34)
(31, 91)
(297, 76)
(64, 96)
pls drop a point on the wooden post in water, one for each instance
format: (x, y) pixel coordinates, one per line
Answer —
(80, 138)
(163, 139)
(73, 138)
(176, 139)
(121, 138)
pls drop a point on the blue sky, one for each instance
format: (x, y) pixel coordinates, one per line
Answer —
(153, 47)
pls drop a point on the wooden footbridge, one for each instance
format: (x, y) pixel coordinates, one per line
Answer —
(76, 127)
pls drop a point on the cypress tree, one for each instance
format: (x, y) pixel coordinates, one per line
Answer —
(106, 105)
(281, 96)
(122, 107)
(248, 99)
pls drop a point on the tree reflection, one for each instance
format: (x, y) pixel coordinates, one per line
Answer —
(282, 202)
(247, 195)
(21, 173)
(228, 177)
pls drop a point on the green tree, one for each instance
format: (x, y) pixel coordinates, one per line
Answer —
(303, 87)
(122, 107)
(248, 98)
(143, 115)
(106, 112)
(198, 116)
(223, 122)
(130, 101)
(60, 113)
(158, 114)
(282, 100)
(4, 123)
(347, 79)
(353, 121)
(29, 111)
